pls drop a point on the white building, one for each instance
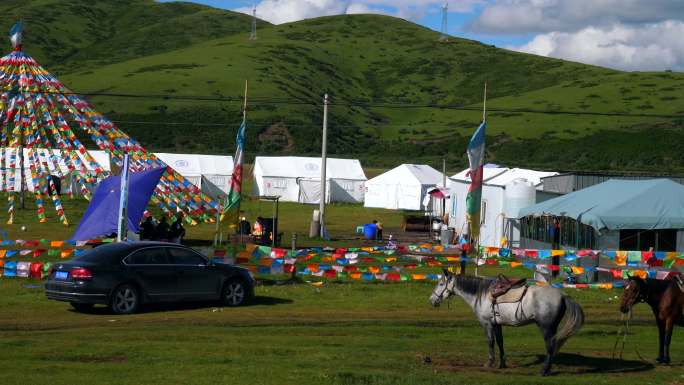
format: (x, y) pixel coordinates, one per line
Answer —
(298, 179)
(504, 192)
(402, 188)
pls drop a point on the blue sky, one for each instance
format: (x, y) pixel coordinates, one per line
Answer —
(631, 35)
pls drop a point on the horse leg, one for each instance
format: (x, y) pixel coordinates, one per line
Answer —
(489, 332)
(549, 334)
(498, 333)
(668, 337)
(661, 341)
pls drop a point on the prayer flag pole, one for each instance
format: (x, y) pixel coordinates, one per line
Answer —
(123, 202)
(238, 162)
(235, 194)
(476, 158)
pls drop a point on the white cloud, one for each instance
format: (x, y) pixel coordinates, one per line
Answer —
(655, 47)
(360, 8)
(285, 11)
(535, 16)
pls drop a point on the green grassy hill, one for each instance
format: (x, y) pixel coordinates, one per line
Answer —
(398, 95)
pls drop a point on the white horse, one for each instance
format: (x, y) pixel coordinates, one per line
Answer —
(543, 305)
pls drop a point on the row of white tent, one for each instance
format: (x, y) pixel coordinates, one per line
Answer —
(406, 187)
(217, 169)
(297, 179)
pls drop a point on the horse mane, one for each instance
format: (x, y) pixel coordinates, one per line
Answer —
(473, 285)
(657, 285)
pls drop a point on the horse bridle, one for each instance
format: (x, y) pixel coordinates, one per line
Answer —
(447, 288)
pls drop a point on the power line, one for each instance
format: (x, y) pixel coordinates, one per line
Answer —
(363, 104)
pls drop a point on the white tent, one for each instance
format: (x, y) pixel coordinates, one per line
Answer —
(297, 179)
(51, 161)
(403, 187)
(216, 168)
(497, 202)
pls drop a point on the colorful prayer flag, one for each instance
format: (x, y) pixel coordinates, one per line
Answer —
(236, 179)
(476, 155)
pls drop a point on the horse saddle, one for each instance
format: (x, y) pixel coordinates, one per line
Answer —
(506, 290)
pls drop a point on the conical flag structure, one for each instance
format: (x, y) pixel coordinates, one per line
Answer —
(38, 120)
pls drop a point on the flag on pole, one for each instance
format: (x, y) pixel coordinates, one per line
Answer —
(122, 232)
(15, 35)
(476, 154)
(236, 178)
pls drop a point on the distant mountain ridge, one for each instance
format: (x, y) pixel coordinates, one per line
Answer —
(397, 92)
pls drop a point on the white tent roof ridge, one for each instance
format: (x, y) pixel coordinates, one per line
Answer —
(501, 176)
(421, 173)
(308, 167)
(198, 164)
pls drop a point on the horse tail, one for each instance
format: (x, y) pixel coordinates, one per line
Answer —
(573, 322)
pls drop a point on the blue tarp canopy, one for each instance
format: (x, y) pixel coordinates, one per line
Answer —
(620, 205)
(101, 217)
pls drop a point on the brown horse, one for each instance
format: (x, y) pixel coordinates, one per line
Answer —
(666, 299)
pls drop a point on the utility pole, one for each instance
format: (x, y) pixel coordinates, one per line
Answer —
(253, 34)
(324, 160)
(445, 33)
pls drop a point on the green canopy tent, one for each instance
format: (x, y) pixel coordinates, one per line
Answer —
(621, 213)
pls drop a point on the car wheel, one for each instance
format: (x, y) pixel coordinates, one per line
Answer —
(234, 293)
(82, 306)
(125, 299)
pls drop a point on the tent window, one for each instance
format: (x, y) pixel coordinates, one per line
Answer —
(570, 234)
(279, 183)
(348, 186)
(483, 213)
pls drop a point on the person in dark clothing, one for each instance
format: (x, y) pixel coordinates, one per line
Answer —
(57, 183)
(147, 229)
(177, 230)
(163, 230)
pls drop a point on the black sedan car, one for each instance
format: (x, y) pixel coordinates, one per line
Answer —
(127, 274)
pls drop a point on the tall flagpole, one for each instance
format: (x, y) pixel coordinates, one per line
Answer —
(477, 245)
(244, 119)
(237, 208)
(121, 232)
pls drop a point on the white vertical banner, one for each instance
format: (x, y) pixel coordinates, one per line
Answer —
(121, 234)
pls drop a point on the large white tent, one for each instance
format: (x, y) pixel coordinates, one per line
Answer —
(403, 187)
(50, 161)
(216, 168)
(298, 179)
(504, 192)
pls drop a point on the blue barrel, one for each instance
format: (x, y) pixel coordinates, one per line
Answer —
(370, 230)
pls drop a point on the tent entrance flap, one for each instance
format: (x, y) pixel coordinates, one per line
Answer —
(310, 191)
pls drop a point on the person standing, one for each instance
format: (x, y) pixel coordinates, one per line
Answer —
(177, 229)
(378, 230)
(162, 233)
(147, 229)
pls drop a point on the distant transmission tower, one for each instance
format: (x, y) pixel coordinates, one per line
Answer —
(445, 35)
(253, 35)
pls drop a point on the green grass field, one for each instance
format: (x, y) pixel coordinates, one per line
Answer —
(340, 333)
(300, 334)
